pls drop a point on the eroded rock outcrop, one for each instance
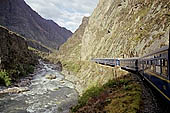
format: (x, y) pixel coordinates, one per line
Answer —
(15, 57)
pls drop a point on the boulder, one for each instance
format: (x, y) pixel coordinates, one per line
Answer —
(50, 76)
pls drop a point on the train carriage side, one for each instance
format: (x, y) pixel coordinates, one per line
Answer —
(106, 61)
(155, 69)
(129, 64)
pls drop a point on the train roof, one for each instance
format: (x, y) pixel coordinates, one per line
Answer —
(133, 58)
(157, 51)
(104, 58)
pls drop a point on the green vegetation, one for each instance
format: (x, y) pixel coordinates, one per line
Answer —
(21, 70)
(72, 66)
(90, 93)
(4, 77)
(128, 101)
(38, 53)
(126, 96)
(7, 76)
(30, 69)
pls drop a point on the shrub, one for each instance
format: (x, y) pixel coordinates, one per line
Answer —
(128, 93)
(23, 70)
(110, 83)
(90, 93)
(5, 78)
(30, 69)
(123, 81)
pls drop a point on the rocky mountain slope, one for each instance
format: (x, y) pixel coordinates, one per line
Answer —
(116, 29)
(126, 28)
(17, 16)
(38, 46)
(71, 49)
(15, 58)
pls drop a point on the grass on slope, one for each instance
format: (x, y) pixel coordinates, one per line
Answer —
(116, 96)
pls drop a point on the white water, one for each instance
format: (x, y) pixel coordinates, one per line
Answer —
(45, 96)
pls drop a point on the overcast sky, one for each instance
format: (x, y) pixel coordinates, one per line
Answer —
(66, 13)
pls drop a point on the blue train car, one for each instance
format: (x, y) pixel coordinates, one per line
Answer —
(154, 68)
(129, 63)
(106, 61)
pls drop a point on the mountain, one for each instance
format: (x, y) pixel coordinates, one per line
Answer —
(116, 29)
(15, 58)
(17, 16)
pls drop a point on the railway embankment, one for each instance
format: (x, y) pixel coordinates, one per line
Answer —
(127, 93)
(116, 96)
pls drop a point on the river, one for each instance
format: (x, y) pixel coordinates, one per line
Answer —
(44, 95)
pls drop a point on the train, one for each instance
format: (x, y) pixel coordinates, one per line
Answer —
(129, 64)
(153, 67)
(107, 61)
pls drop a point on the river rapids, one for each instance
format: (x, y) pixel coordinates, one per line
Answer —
(44, 95)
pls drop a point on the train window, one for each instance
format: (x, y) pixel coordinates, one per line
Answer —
(153, 62)
(158, 62)
(153, 67)
(165, 68)
(158, 69)
(166, 63)
(149, 64)
(143, 64)
(146, 64)
(160, 55)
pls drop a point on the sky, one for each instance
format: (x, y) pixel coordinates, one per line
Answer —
(66, 13)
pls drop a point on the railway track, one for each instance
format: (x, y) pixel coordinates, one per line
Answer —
(151, 101)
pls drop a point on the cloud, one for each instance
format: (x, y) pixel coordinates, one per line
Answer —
(66, 13)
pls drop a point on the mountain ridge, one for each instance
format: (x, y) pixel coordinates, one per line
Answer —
(17, 16)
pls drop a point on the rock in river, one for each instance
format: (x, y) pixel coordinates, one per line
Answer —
(50, 76)
(15, 90)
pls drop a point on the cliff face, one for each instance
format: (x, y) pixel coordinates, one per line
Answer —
(15, 57)
(71, 49)
(17, 16)
(116, 29)
(126, 28)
